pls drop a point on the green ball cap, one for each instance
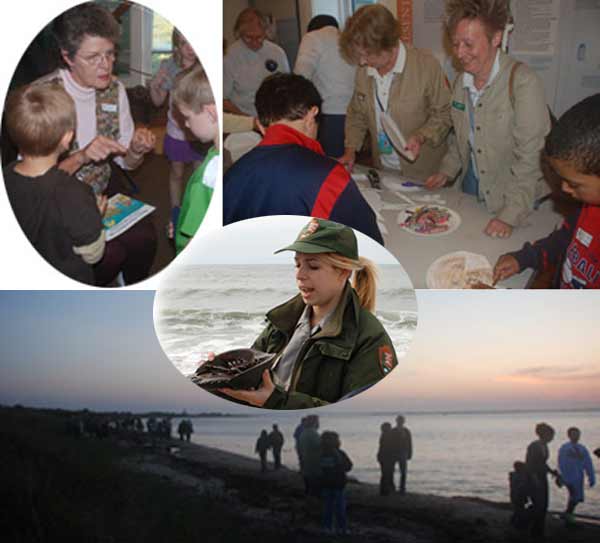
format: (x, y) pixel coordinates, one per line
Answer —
(321, 236)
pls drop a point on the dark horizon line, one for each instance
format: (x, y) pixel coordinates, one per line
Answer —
(205, 414)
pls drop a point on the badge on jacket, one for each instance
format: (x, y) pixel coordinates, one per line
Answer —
(386, 359)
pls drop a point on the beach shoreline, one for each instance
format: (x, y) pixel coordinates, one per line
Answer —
(278, 497)
(101, 481)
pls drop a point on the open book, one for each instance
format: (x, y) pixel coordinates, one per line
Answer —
(396, 137)
(122, 213)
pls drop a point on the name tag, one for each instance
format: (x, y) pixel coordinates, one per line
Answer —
(109, 108)
(383, 143)
(458, 105)
(584, 237)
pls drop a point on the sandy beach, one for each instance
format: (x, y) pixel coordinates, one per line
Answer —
(277, 502)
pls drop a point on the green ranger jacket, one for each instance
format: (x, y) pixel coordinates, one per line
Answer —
(350, 353)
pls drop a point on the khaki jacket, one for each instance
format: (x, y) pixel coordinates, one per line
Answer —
(419, 102)
(350, 353)
(508, 141)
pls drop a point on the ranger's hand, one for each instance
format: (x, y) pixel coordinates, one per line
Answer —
(414, 144)
(256, 397)
(347, 159)
(436, 181)
(498, 229)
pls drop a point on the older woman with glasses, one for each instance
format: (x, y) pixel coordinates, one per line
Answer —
(249, 60)
(394, 79)
(87, 36)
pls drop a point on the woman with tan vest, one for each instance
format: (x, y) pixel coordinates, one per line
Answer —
(405, 83)
(499, 116)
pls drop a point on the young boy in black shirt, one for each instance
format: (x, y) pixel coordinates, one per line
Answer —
(59, 215)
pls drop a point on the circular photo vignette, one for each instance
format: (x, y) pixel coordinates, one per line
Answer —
(263, 313)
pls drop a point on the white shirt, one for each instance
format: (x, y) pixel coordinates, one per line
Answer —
(475, 94)
(383, 84)
(319, 60)
(469, 81)
(245, 69)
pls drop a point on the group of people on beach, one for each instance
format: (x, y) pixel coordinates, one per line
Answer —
(324, 464)
(74, 133)
(529, 491)
(489, 133)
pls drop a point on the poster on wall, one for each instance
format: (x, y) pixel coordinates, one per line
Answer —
(536, 39)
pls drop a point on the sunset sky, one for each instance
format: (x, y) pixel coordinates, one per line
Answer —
(472, 351)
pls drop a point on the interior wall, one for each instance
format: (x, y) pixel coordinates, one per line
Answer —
(285, 15)
(231, 9)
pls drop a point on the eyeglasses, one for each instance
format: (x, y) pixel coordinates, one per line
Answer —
(97, 58)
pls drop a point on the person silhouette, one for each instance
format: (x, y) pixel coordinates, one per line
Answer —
(402, 446)
(276, 440)
(386, 459)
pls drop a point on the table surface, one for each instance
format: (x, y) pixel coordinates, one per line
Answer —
(417, 253)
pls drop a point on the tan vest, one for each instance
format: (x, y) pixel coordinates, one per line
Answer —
(419, 102)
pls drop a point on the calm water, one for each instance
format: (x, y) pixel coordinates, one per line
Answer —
(218, 308)
(455, 454)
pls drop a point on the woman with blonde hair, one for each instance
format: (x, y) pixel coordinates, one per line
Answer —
(499, 115)
(330, 346)
(399, 81)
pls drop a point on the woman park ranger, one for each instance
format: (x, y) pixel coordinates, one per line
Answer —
(405, 83)
(330, 345)
(499, 116)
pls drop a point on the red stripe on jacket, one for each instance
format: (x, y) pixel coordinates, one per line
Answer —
(331, 189)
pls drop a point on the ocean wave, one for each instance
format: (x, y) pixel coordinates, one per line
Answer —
(214, 291)
(397, 319)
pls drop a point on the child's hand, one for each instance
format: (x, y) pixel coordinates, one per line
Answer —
(160, 78)
(102, 203)
(506, 267)
(143, 141)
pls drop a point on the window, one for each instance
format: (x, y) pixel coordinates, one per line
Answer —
(161, 40)
(359, 3)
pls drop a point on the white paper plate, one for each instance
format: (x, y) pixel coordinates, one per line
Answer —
(396, 137)
(455, 270)
(453, 221)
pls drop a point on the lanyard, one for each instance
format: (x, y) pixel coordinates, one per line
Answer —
(377, 98)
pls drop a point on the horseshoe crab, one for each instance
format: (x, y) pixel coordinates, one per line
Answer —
(238, 369)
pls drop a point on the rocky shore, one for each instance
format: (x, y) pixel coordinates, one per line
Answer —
(276, 501)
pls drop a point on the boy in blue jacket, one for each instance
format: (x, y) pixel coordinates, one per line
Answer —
(573, 151)
(288, 172)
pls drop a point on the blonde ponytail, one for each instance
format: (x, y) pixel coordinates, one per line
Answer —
(364, 279)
